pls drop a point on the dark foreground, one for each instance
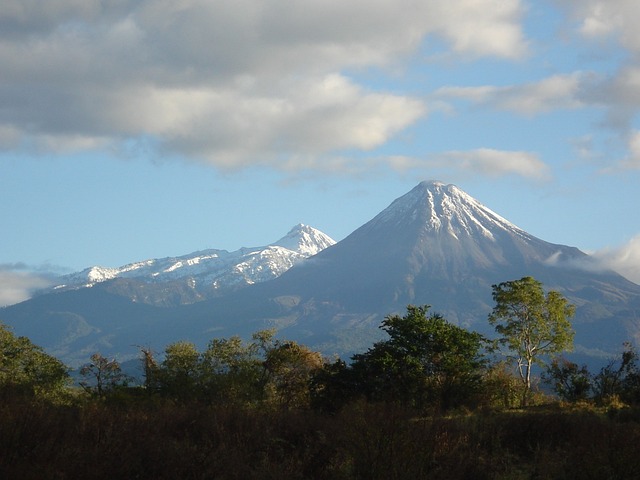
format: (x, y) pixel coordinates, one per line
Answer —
(162, 440)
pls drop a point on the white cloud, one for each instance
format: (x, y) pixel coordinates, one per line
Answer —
(17, 285)
(624, 259)
(232, 127)
(484, 161)
(229, 83)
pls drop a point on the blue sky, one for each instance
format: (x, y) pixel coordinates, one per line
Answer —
(141, 129)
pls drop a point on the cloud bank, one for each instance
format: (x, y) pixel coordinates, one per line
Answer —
(17, 283)
(232, 84)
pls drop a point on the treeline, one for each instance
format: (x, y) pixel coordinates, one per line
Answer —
(427, 364)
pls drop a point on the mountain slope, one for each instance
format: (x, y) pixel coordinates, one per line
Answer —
(435, 245)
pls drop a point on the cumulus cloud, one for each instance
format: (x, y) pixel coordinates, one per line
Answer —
(484, 161)
(624, 259)
(229, 83)
(17, 283)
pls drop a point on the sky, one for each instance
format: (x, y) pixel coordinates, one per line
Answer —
(137, 129)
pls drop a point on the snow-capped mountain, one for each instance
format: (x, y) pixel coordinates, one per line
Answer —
(212, 269)
(434, 241)
(444, 226)
(435, 245)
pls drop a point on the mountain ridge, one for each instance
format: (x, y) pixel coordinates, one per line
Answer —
(207, 272)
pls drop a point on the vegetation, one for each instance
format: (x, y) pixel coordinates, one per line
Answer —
(429, 401)
(531, 324)
(425, 362)
(102, 376)
(26, 370)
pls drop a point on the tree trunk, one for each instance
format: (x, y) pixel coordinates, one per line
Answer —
(527, 385)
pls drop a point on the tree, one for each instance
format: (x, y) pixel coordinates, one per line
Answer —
(290, 368)
(531, 324)
(333, 386)
(232, 369)
(26, 369)
(102, 376)
(426, 360)
(179, 373)
(570, 382)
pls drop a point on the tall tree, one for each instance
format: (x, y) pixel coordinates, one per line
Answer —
(531, 324)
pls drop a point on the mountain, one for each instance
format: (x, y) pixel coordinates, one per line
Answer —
(437, 245)
(189, 278)
(434, 245)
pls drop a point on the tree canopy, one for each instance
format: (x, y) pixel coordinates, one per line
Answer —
(425, 360)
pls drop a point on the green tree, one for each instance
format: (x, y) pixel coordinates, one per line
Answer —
(27, 370)
(102, 376)
(426, 360)
(531, 324)
(500, 387)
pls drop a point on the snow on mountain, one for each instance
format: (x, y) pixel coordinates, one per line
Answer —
(443, 208)
(213, 268)
(305, 240)
(446, 229)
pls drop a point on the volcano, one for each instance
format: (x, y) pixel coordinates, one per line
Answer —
(435, 246)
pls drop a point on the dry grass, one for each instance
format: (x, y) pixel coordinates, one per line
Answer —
(162, 440)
